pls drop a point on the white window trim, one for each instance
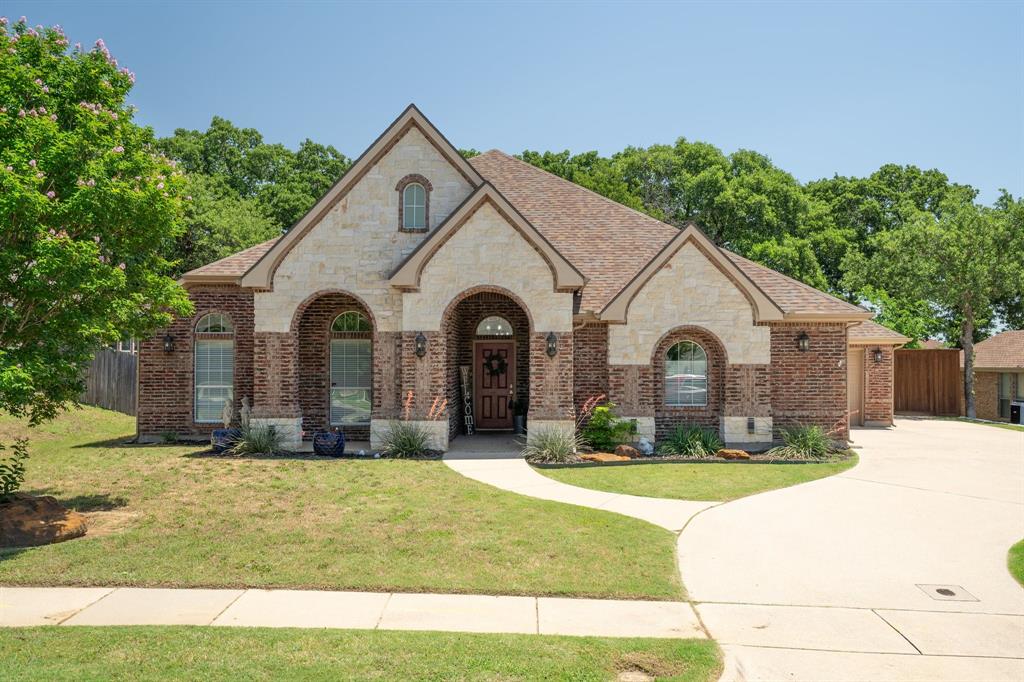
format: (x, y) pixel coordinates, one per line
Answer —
(406, 205)
(668, 402)
(195, 377)
(331, 387)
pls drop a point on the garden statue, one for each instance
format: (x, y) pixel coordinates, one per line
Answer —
(245, 413)
(645, 446)
(227, 414)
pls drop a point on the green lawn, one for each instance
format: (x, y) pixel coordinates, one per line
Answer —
(711, 481)
(998, 425)
(206, 653)
(166, 515)
(1015, 561)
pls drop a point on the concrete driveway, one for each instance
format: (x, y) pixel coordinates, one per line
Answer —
(840, 579)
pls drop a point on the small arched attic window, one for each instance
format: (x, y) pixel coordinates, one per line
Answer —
(414, 203)
(494, 326)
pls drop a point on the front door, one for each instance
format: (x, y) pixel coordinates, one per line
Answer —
(494, 373)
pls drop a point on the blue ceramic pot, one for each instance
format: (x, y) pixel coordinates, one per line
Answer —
(329, 443)
(222, 439)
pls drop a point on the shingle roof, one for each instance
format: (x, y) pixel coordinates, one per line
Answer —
(610, 243)
(234, 265)
(1002, 351)
(869, 331)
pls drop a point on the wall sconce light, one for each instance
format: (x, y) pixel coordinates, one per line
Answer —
(552, 344)
(168, 343)
(421, 345)
(876, 355)
(803, 342)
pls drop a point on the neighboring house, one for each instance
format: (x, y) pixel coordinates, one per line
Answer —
(418, 263)
(998, 375)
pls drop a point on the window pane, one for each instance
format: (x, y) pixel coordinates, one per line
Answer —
(214, 323)
(350, 381)
(1004, 385)
(350, 321)
(1020, 386)
(414, 201)
(686, 369)
(214, 378)
(494, 326)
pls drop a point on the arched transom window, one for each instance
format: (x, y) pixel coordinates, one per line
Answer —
(214, 367)
(686, 375)
(494, 326)
(414, 207)
(351, 373)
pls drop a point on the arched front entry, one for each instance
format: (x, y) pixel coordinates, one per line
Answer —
(487, 371)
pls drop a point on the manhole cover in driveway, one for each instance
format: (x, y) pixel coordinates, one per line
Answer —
(947, 593)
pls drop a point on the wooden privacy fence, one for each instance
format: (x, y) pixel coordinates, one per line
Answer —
(927, 381)
(110, 380)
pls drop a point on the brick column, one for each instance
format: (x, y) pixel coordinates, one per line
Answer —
(423, 379)
(275, 383)
(747, 395)
(631, 388)
(551, 383)
(878, 386)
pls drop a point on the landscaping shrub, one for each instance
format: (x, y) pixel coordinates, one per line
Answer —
(803, 443)
(258, 439)
(12, 469)
(692, 441)
(605, 430)
(405, 439)
(552, 445)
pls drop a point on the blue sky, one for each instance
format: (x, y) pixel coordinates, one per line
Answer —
(820, 88)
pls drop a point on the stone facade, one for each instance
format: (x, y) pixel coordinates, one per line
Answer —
(358, 243)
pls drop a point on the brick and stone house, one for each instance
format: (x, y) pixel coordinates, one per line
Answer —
(998, 375)
(433, 288)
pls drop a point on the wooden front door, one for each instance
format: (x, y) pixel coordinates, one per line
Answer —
(494, 374)
(855, 386)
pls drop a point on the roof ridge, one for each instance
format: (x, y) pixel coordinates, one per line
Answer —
(581, 187)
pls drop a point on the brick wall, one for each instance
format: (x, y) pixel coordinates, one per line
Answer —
(589, 363)
(986, 395)
(551, 378)
(667, 418)
(166, 394)
(878, 386)
(809, 388)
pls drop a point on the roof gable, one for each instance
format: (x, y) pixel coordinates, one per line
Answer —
(260, 275)
(407, 275)
(764, 308)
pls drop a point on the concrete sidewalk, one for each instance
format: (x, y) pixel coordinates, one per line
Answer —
(69, 606)
(495, 460)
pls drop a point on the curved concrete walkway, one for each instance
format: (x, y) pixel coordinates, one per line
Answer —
(838, 578)
(495, 460)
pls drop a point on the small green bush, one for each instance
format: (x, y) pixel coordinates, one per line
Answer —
(405, 439)
(552, 445)
(803, 443)
(605, 430)
(12, 469)
(258, 439)
(691, 441)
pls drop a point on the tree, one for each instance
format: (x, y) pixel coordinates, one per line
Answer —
(961, 260)
(86, 206)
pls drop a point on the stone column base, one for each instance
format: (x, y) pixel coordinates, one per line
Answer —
(734, 430)
(290, 429)
(438, 431)
(644, 427)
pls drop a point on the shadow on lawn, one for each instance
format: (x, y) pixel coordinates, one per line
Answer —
(84, 503)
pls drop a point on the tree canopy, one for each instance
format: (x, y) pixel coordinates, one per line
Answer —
(87, 207)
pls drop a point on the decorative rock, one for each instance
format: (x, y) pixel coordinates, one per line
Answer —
(645, 446)
(27, 521)
(602, 457)
(627, 451)
(733, 454)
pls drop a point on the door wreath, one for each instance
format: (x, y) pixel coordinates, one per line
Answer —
(495, 365)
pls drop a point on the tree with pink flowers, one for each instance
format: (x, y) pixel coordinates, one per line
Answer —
(87, 205)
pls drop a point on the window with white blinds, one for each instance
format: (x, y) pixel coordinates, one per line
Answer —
(350, 382)
(686, 375)
(214, 377)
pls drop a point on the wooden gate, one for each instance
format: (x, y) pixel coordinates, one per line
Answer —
(110, 380)
(927, 381)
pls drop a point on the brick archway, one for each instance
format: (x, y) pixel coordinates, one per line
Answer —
(667, 417)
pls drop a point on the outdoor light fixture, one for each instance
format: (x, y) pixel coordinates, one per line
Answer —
(421, 345)
(168, 344)
(552, 344)
(803, 342)
(876, 355)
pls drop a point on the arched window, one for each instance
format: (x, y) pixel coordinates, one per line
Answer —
(351, 370)
(494, 326)
(351, 321)
(214, 367)
(414, 207)
(686, 375)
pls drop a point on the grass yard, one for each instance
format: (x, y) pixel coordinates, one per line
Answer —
(998, 425)
(206, 653)
(1015, 561)
(711, 482)
(167, 515)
